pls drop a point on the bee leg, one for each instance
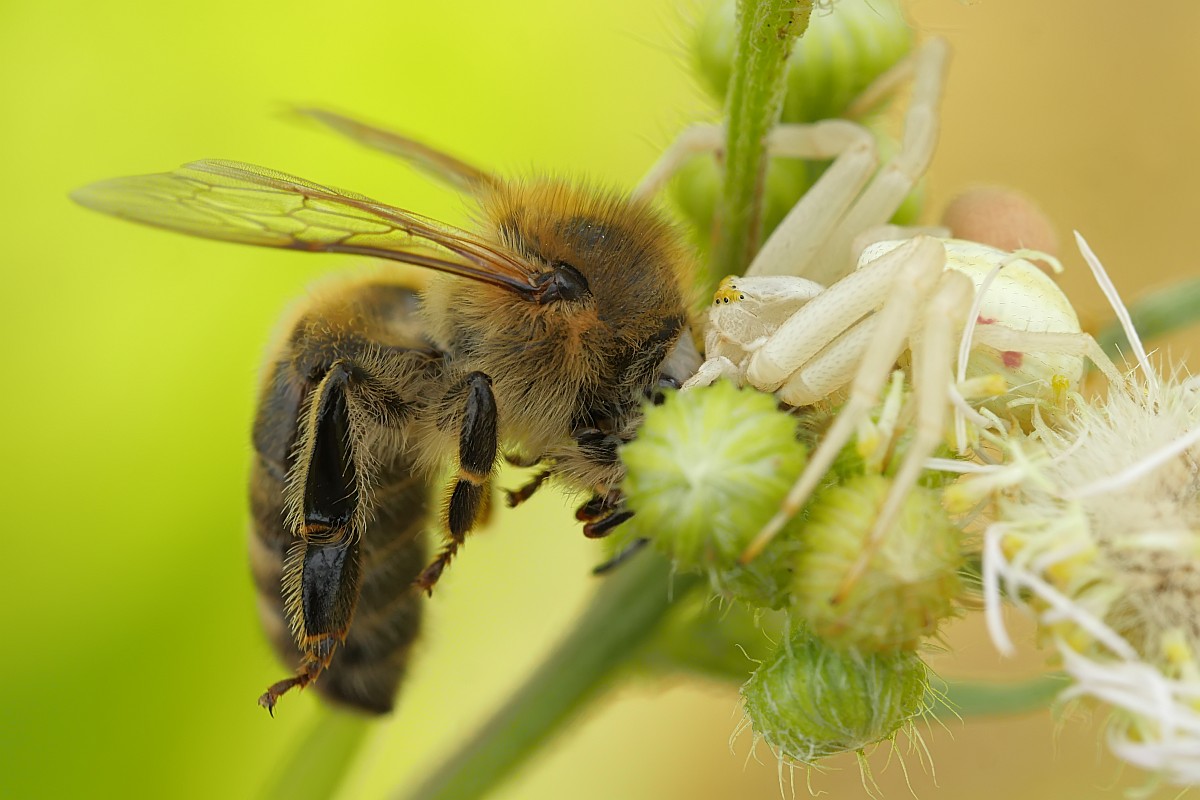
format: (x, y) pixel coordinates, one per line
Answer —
(604, 526)
(619, 558)
(598, 507)
(600, 447)
(328, 577)
(322, 572)
(514, 497)
(522, 460)
(477, 449)
(602, 514)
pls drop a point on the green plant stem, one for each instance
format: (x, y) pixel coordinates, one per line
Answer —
(626, 610)
(319, 763)
(1157, 314)
(766, 31)
(988, 699)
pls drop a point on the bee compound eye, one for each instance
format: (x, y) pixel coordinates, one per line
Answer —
(564, 282)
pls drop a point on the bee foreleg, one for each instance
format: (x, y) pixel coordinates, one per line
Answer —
(602, 514)
(605, 525)
(478, 445)
(599, 447)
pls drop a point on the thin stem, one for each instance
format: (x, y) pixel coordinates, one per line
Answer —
(766, 31)
(320, 762)
(1157, 314)
(626, 610)
(995, 699)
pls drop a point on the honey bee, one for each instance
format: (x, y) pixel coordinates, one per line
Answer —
(538, 338)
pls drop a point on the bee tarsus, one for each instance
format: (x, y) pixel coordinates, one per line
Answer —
(515, 497)
(621, 556)
(604, 526)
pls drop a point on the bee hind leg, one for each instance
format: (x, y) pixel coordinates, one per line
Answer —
(306, 674)
(322, 572)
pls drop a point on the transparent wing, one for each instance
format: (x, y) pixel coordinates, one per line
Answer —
(237, 202)
(438, 164)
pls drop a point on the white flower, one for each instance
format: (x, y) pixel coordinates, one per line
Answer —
(1098, 534)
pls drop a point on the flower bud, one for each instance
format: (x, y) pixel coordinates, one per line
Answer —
(911, 579)
(708, 469)
(810, 701)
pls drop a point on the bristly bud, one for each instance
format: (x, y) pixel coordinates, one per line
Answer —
(845, 48)
(911, 581)
(810, 701)
(707, 470)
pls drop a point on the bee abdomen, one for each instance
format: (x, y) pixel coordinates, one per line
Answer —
(368, 666)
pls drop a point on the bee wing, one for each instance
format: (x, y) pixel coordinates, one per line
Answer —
(445, 167)
(237, 202)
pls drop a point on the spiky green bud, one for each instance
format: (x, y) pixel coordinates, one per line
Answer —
(707, 470)
(810, 701)
(910, 582)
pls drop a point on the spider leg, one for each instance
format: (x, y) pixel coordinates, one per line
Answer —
(828, 316)
(932, 359)
(694, 140)
(801, 234)
(1064, 343)
(921, 264)
(877, 203)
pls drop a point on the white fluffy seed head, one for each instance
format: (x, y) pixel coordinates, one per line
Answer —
(1127, 466)
(1099, 533)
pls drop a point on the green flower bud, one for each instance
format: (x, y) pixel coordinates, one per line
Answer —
(843, 50)
(708, 469)
(811, 701)
(910, 582)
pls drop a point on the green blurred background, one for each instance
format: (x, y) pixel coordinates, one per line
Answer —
(131, 356)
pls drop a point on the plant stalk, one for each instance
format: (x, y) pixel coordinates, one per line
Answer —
(766, 32)
(626, 610)
(320, 762)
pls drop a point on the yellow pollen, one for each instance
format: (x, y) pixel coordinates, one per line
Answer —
(1060, 384)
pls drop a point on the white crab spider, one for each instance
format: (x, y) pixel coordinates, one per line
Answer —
(781, 330)
(756, 334)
